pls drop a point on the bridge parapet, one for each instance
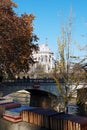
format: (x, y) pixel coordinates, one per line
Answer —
(47, 85)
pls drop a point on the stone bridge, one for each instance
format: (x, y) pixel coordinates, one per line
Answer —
(46, 85)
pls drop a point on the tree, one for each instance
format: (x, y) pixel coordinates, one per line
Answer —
(16, 40)
(38, 71)
(71, 74)
(83, 63)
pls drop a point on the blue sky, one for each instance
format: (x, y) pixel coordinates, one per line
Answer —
(50, 15)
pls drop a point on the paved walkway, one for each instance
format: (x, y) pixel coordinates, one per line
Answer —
(6, 125)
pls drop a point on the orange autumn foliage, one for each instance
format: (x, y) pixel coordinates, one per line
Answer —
(16, 40)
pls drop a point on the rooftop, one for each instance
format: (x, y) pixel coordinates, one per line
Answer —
(44, 48)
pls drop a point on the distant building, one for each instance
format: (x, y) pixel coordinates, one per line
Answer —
(44, 57)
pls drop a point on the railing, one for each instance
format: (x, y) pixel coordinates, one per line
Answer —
(53, 120)
(41, 80)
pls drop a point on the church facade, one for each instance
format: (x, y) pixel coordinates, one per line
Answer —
(44, 58)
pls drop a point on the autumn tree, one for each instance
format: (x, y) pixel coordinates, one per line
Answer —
(83, 61)
(38, 71)
(16, 40)
(72, 74)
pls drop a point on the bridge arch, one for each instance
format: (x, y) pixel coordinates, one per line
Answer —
(39, 89)
(40, 98)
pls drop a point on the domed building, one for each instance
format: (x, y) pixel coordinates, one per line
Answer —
(44, 58)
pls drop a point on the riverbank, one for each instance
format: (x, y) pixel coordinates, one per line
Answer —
(7, 125)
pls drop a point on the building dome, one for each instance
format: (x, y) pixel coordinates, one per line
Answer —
(43, 48)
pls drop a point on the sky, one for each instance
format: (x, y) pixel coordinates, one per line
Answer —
(50, 15)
